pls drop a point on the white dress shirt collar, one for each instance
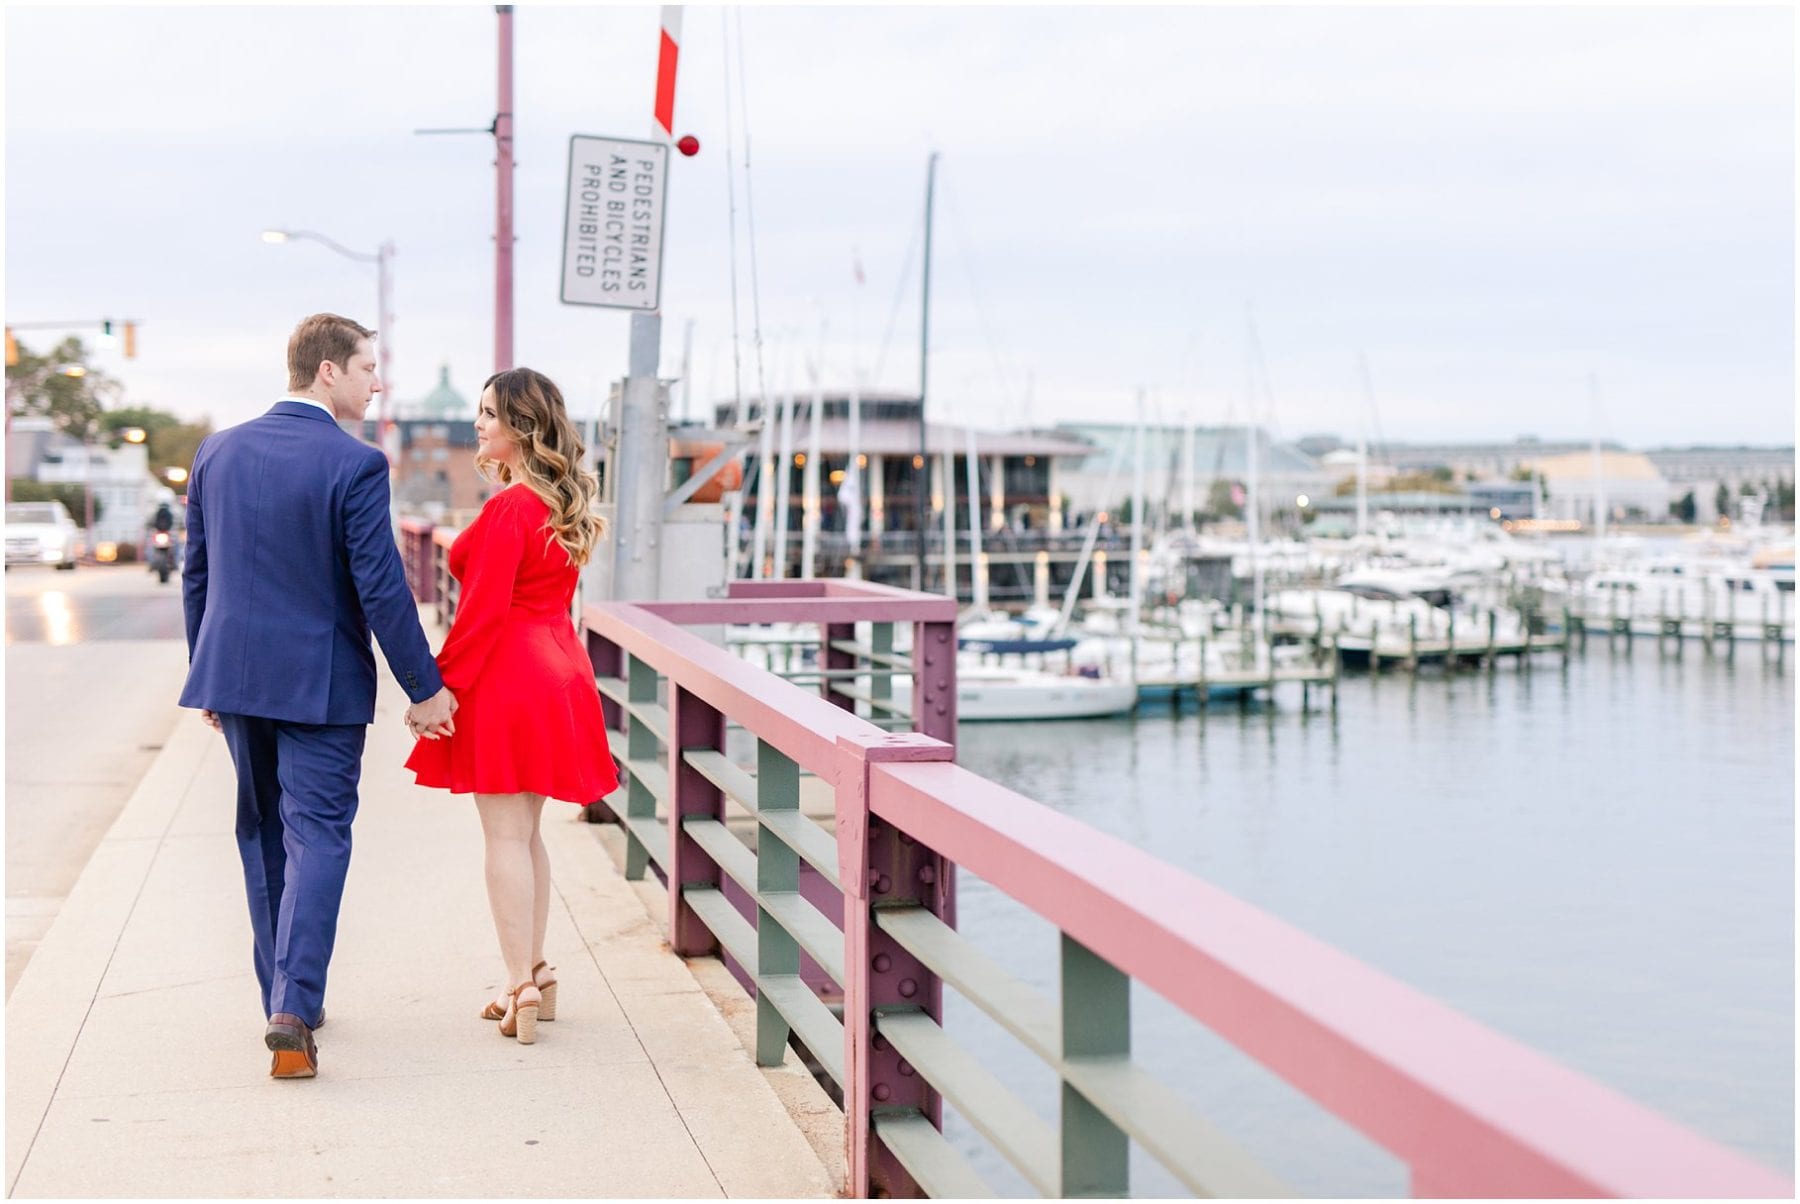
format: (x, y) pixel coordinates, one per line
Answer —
(307, 401)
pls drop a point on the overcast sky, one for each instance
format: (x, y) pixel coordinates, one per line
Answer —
(1491, 204)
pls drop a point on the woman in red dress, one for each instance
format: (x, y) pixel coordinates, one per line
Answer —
(528, 723)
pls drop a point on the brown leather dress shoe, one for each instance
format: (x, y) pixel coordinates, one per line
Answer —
(296, 1057)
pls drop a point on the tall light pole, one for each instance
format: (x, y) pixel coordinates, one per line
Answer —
(384, 319)
(503, 201)
(502, 132)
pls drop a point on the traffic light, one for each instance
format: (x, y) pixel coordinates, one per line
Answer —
(12, 349)
(131, 340)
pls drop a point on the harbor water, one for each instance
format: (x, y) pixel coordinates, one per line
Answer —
(1596, 860)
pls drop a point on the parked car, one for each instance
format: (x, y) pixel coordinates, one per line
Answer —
(41, 533)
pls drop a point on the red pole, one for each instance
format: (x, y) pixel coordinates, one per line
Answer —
(384, 346)
(503, 231)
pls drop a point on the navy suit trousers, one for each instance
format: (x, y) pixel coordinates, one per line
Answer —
(297, 797)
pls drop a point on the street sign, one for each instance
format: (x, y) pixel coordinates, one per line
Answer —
(613, 226)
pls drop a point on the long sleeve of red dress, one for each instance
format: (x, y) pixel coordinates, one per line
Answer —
(496, 548)
(528, 715)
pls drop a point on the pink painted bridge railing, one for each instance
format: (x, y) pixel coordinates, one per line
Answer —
(1470, 1112)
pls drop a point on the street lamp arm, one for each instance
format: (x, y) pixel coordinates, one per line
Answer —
(346, 252)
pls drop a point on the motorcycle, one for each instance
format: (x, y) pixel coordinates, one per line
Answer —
(162, 556)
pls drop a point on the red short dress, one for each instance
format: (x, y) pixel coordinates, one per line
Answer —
(528, 714)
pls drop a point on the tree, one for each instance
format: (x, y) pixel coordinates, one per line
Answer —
(1219, 502)
(1685, 508)
(62, 384)
(170, 442)
(174, 447)
(1438, 480)
(1722, 500)
(69, 493)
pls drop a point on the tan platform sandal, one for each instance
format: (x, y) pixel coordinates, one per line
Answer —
(546, 989)
(523, 1015)
(495, 1010)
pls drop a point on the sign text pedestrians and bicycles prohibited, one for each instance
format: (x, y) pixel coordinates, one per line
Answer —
(613, 227)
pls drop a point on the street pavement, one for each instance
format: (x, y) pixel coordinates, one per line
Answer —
(134, 1056)
(94, 662)
(95, 602)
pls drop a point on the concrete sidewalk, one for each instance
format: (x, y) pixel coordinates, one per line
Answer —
(135, 1064)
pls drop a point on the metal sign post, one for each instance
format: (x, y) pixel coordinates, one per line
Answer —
(612, 256)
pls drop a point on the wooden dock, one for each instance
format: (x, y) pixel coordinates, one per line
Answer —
(1259, 671)
(1381, 647)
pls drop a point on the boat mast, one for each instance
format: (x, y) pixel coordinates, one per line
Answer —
(1137, 529)
(809, 495)
(1599, 476)
(977, 577)
(784, 471)
(1362, 450)
(922, 466)
(851, 500)
(1254, 499)
(1187, 473)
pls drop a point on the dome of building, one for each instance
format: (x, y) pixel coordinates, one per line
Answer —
(443, 402)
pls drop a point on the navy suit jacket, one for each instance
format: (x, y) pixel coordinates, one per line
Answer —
(290, 561)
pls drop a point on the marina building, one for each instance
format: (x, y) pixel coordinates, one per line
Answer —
(1704, 469)
(1575, 485)
(1020, 491)
(1102, 480)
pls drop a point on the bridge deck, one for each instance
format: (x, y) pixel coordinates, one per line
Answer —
(135, 1063)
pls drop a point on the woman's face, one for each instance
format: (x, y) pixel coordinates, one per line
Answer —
(491, 439)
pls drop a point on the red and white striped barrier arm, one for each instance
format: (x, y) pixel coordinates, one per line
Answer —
(663, 119)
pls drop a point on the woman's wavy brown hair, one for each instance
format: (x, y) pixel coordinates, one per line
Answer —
(531, 412)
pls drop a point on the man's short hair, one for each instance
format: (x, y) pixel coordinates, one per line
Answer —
(317, 339)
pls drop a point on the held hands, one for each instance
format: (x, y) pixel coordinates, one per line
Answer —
(430, 719)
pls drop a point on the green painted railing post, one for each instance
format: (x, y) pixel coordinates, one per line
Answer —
(881, 685)
(1096, 1024)
(693, 724)
(777, 870)
(608, 660)
(640, 745)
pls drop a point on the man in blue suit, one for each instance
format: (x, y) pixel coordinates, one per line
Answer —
(291, 560)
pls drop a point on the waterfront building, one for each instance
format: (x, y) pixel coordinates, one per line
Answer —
(1020, 494)
(1704, 469)
(1221, 463)
(1481, 461)
(1575, 483)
